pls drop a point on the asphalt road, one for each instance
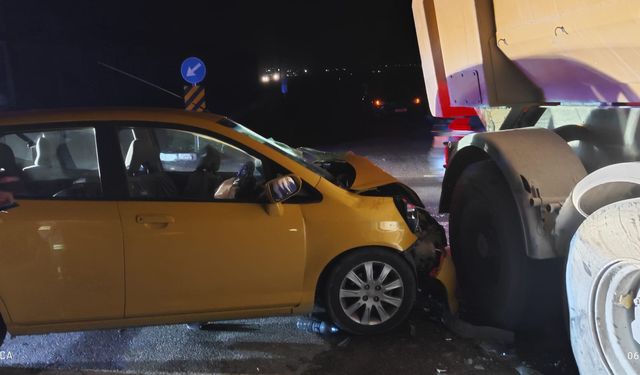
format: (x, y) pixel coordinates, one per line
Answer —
(274, 345)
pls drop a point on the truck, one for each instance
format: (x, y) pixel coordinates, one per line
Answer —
(544, 207)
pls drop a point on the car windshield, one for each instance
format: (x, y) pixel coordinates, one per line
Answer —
(280, 147)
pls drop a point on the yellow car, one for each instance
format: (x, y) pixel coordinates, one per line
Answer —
(142, 217)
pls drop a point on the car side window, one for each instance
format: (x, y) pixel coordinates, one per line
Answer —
(173, 164)
(51, 164)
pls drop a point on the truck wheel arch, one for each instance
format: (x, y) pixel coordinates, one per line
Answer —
(540, 168)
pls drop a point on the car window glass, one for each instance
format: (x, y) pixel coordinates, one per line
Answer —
(54, 164)
(171, 164)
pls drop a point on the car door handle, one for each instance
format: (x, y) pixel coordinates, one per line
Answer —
(155, 219)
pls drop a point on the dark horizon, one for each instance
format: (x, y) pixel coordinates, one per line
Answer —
(53, 48)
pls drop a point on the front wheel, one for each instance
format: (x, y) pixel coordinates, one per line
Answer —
(370, 291)
(487, 245)
(499, 285)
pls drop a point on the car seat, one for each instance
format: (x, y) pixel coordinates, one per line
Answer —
(146, 178)
(45, 166)
(204, 181)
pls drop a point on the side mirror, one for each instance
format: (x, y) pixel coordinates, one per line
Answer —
(282, 188)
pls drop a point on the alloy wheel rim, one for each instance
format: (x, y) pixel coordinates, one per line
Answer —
(371, 293)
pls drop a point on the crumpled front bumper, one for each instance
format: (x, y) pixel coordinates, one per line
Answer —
(432, 260)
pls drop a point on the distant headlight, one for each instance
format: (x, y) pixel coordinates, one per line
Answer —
(276, 77)
(265, 79)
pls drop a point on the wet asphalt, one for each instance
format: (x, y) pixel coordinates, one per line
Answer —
(273, 345)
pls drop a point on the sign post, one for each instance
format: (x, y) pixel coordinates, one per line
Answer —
(194, 99)
(193, 71)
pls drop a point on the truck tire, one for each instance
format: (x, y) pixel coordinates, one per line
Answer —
(487, 243)
(603, 286)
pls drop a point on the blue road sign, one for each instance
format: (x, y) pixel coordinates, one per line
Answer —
(193, 70)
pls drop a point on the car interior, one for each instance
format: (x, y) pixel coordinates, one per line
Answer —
(145, 176)
(160, 164)
(178, 165)
(58, 163)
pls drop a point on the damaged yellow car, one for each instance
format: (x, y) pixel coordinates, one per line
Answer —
(145, 217)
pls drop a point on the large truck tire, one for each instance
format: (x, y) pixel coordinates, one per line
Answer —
(487, 241)
(483, 225)
(603, 290)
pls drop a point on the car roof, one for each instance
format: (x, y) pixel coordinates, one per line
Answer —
(207, 121)
(166, 115)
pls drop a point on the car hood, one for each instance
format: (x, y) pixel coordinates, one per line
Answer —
(368, 175)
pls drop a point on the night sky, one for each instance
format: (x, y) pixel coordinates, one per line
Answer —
(54, 46)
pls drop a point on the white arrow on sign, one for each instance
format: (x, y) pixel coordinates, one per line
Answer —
(192, 71)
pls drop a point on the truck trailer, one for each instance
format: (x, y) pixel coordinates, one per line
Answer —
(544, 207)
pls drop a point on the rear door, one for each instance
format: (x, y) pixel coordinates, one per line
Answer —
(61, 249)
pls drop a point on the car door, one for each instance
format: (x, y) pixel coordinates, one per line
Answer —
(61, 248)
(193, 241)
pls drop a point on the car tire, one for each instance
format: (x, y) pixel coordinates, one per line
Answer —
(488, 249)
(361, 300)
